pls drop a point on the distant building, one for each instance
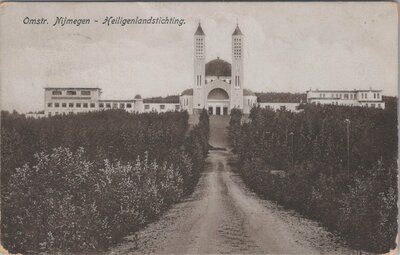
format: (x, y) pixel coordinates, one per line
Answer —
(62, 101)
(218, 87)
(367, 98)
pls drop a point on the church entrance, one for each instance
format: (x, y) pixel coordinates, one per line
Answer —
(218, 102)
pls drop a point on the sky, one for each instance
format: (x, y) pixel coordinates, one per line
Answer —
(288, 47)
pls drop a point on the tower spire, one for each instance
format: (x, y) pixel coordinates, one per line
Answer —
(199, 30)
(237, 30)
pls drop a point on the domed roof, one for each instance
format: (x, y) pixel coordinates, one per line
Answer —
(218, 67)
(248, 92)
(187, 92)
(138, 96)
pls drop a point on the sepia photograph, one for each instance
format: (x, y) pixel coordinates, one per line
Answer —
(199, 128)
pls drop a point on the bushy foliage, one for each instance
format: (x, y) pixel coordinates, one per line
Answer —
(281, 97)
(81, 182)
(310, 151)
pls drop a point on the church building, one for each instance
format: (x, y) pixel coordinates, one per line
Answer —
(218, 86)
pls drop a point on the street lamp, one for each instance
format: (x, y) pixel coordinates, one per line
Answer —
(291, 135)
(347, 121)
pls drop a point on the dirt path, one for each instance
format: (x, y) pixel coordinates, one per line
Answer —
(223, 216)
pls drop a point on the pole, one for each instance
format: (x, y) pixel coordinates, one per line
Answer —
(291, 135)
(348, 147)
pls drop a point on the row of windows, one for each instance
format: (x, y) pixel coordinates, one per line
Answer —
(237, 52)
(71, 92)
(89, 105)
(199, 47)
(162, 107)
(349, 95)
(339, 95)
(373, 105)
(115, 105)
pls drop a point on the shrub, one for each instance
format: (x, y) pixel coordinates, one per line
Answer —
(80, 183)
(359, 203)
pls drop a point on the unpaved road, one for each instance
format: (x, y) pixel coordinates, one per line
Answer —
(223, 216)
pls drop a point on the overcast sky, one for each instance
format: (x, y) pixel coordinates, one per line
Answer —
(289, 47)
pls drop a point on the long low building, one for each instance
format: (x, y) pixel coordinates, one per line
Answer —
(366, 98)
(61, 101)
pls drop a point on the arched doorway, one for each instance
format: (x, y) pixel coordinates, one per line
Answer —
(218, 102)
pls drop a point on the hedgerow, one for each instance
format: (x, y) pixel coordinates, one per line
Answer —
(309, 150)
(81, 182)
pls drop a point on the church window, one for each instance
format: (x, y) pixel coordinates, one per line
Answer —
(85, 93)
(198, 80)
(71, 105)
(101, 105)
(108, 105)
(92, 105)
(147, 107)
(162, 107)
(56, 105)
(56, 93)
(78, 105)
(128, 105)
(49, 104)
(64, 105)
(122, 106)
(71, 93)
(85, 105)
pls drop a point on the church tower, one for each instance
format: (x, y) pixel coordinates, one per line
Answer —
(199, 69)
(237, 69)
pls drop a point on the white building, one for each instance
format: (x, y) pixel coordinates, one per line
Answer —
(368, 98)
(70, 100)
(62, 101)
(218, 86)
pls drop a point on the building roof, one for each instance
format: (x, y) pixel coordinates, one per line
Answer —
(237, 31)
(344, 91)
(116, 100)
(218, 67)
(247, 92)
(174, 99)
(187, 92)
(199, 30)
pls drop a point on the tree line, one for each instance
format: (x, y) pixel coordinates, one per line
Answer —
(309, 162)
(79, 183)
